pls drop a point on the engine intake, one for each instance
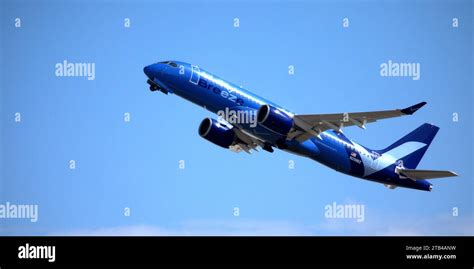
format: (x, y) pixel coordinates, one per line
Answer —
(274, 119)
(214, 132)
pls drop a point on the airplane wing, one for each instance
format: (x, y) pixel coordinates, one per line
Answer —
(425, 174)
(314, 124)
(244, 142)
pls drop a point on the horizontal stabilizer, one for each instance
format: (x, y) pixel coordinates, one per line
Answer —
(425, 174)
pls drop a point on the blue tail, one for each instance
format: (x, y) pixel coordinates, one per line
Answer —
(420, 140)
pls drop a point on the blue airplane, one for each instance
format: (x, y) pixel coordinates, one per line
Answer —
(247, 121)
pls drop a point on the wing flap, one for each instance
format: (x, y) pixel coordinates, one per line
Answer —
(245, 142)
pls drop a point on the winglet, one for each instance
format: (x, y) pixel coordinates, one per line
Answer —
(412, 109)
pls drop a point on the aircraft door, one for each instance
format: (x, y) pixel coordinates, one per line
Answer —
(194, 79)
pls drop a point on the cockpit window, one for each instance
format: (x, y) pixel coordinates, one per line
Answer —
(173, 64)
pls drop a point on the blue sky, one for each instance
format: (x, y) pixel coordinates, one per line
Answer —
(135, 164)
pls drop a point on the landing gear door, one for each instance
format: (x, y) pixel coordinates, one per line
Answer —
(195, 74)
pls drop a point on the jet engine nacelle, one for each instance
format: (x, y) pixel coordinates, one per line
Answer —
(216, 133)
(274, 119)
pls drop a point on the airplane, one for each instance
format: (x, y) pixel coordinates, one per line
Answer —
(248, 122)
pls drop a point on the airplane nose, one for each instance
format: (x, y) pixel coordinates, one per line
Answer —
(155, 71)
(148, 70)
(157, 77)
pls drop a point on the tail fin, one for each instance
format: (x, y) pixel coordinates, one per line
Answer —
(411, 148)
